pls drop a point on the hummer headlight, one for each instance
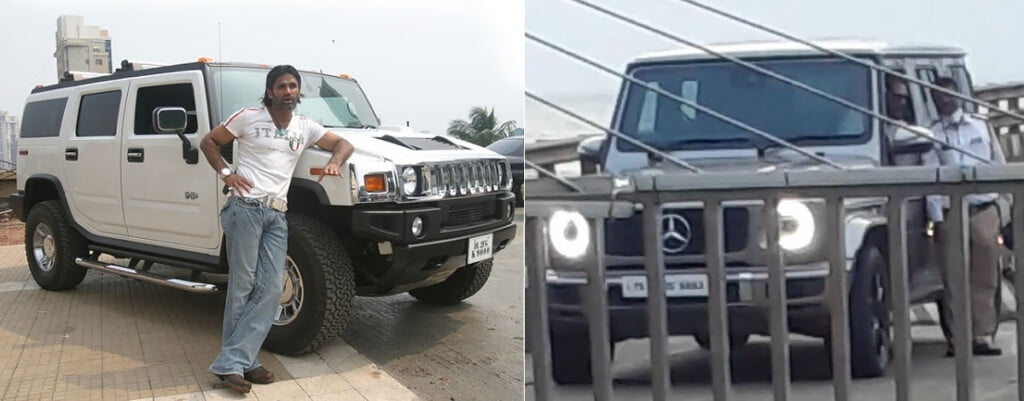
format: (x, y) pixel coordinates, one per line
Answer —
(409, 180)
(796, 225)
(569, 233)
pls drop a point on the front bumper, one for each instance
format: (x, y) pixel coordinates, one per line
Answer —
(422, 264)
(441, 220)
(746, 296)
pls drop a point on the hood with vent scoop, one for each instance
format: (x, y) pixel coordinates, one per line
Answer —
(406, 147)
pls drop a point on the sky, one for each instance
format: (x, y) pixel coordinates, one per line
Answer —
(988, 30)
(426, 62)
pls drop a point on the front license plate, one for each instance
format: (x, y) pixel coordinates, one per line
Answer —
(479, 248)
(676, 285)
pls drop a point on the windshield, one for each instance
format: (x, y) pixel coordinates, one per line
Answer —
(508, 147)
(331, 101)
(762, 102)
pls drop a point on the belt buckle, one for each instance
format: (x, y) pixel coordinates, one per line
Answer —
(280, 205)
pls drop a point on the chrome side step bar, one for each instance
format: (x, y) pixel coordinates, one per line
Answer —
(190, 286)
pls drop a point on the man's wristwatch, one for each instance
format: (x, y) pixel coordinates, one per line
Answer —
(224, 173)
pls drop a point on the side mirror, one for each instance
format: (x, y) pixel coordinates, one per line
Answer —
(589, 151)
(174, 120)
(915, 140)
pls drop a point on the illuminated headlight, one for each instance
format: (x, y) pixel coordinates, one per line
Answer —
(797, 226)
(569, 233)
(409, 181)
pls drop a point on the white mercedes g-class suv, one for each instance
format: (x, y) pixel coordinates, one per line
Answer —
(110, 165)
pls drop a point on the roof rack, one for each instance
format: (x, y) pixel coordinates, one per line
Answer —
(80, 75)
(128, 65)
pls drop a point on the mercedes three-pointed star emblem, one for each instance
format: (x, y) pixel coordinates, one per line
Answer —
(676, 233)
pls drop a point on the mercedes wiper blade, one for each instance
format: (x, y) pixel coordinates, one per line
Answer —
(701, 141)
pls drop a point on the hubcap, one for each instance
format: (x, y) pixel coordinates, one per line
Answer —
(44, 248)
(291, 294)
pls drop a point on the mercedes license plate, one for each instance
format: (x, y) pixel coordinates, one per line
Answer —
(676, 285)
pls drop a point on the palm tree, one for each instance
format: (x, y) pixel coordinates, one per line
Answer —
(482, 128)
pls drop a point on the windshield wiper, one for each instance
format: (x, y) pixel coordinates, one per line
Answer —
(699, 141)
(764, 148)
(804, 139)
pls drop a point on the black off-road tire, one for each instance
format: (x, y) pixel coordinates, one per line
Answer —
(870, 323)
(460, 285)
(328, 288)
(68, 244)
(571, 360)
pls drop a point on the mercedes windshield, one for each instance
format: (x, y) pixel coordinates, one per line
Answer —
(762, 102)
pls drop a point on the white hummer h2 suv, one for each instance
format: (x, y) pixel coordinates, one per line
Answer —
(109, 165)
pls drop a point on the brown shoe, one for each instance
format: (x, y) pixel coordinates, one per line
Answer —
(236, 382)
(260, 375)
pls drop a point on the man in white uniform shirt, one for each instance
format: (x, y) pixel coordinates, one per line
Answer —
(967, 132)
(270, 140)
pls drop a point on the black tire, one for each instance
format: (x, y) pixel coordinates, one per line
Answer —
(66, 245)
(870, 315)
(570, 354)
(328, 288)
(518, 191)
(462, 284)
(735, 341)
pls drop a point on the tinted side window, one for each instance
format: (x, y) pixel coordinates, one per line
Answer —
(97, 116)
(42, 118)
(149, 98)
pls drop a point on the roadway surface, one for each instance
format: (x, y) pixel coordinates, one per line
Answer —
(471, 351)
(933, 375)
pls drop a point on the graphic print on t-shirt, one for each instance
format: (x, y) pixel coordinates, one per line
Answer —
(267, 155)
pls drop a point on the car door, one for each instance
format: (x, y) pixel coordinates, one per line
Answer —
(91, 157)
(167, 200)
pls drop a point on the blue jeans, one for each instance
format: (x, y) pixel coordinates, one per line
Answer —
(257, 241)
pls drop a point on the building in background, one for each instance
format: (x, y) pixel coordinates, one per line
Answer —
(80, 47)
(1006, 96)
(10, 126)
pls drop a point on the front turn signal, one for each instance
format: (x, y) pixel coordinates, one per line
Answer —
(375, 183)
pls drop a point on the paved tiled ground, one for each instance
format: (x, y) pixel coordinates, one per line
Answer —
(113, 338)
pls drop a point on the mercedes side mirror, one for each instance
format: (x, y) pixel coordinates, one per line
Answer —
(913, 140)
(589, 151)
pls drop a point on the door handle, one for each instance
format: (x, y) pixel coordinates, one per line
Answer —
(71, 154)
(136, 155)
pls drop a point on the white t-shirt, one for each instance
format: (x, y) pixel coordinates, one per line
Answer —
(267, 157)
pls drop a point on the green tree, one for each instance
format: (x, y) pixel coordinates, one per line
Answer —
(482, 128)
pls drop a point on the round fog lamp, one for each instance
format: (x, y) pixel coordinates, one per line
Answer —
(796, 225)
(417, 226)
(569, 233)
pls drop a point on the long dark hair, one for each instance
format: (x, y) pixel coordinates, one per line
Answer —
(275, 73)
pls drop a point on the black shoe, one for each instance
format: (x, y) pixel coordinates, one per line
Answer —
(984, 348)
(980, 348)
(236, 382)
